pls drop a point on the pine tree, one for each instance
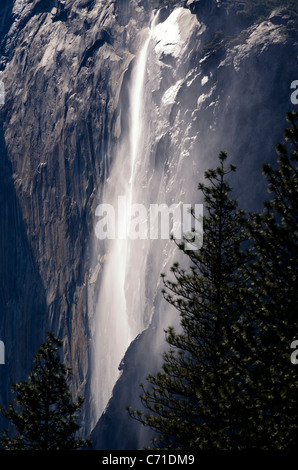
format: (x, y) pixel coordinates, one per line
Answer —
(43, 413)
(272, 319)
(195, 402)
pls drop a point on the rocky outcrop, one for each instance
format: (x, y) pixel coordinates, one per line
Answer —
(58, 75)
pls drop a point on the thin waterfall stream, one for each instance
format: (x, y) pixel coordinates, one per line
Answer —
(121, 301)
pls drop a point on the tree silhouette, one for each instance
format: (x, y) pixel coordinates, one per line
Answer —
(43, 414)
(190, 400)
(228, 381)
(273, 308)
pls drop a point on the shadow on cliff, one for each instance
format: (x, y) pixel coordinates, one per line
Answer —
(5, 22)
(22, 294)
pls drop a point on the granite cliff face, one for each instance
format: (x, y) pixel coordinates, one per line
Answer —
(213, 82)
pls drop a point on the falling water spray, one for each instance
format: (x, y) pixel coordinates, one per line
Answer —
(121, 301)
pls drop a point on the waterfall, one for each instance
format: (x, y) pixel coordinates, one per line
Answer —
(121, 305)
